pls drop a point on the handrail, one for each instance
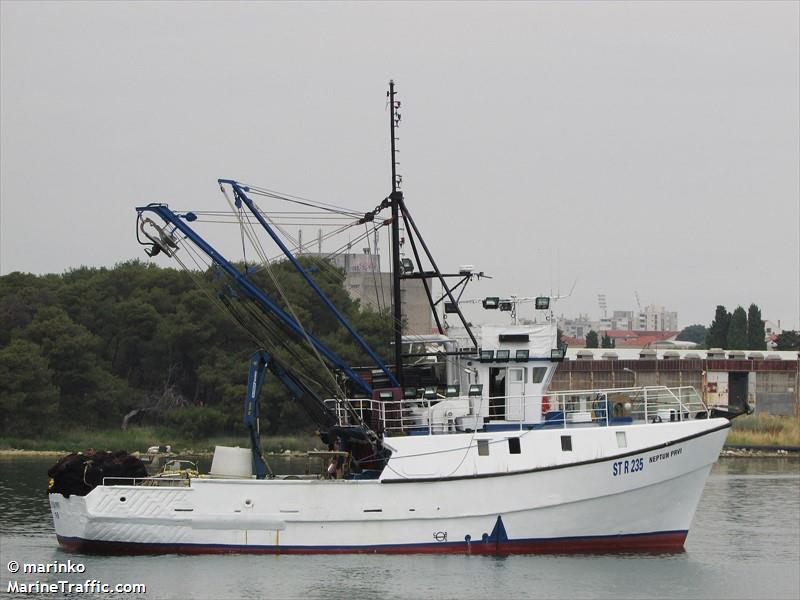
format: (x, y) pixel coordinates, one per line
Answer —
(563, 408)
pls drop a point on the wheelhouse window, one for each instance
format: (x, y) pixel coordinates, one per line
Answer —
(537, 374)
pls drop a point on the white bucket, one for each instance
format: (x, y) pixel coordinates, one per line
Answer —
(232, 462)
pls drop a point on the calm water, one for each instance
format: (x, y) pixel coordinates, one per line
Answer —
(744, 543)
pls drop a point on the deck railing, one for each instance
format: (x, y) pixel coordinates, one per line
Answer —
(572, 408)
(153, 481)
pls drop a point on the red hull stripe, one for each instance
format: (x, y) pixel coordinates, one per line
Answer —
(663, 541)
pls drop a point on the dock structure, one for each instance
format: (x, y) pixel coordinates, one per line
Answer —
(768, 382)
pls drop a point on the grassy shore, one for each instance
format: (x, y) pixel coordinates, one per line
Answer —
(751, 430)
(764, 430)
(141, 438)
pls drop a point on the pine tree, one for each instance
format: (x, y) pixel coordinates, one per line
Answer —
(591, 339)
(737, 331)
(756, 335)
(606, 341)
(718, 330)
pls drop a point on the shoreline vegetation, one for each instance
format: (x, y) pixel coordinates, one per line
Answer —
(139, 439)
(137, 345)
(764, 430)
(752, 434)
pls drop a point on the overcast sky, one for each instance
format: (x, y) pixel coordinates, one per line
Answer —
(632, 146)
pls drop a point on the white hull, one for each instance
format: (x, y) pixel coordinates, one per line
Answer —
(597, 497)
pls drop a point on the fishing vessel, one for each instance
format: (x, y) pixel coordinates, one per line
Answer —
(458, 446)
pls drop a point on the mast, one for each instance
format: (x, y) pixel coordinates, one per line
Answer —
(396, 198)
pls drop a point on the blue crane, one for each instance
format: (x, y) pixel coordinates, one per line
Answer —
(163, 240)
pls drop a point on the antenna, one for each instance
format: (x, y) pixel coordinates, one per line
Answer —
(558, 271)
(601, 301)
(572, 289)
(396, 199)
(638, 303)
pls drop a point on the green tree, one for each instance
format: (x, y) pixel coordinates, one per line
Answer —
(28, 398)
(693, 333)
(788, 340)
(756, 334)
(591, 339)
(718, 331)
(106, 341)
(21, 295)
(607, 342)
(89, 393)
(737, 331)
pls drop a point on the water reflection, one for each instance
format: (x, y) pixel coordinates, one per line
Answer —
(24, 507)
(743, 544)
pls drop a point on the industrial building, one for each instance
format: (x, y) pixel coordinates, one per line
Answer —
(365, 282)
(768, 382)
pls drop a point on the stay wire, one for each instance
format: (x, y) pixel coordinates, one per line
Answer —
(203, 287)
(265, 261)
(374, 277)
(277, 340)
(302, 201)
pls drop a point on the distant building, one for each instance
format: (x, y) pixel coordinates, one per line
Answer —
(768, 384)
(576, 328)
(365, 282)
(626, 338)
(771, 328)
(656, 318)
(642, 339)
(622, 319)
(653, 320)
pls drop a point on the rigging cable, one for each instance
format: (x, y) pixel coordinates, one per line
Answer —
(333, 208)
(372, 268)
(265, 261)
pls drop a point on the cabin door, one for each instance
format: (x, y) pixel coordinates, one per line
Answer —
(515, 394)
(497, 393)
(737, 389)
